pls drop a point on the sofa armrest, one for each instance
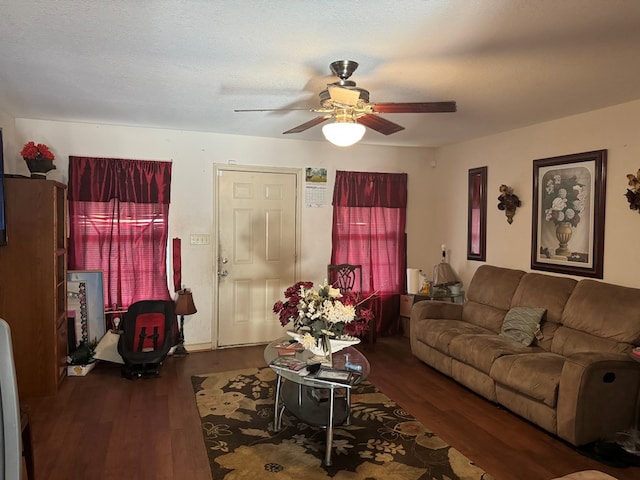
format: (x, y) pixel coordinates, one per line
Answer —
(435, 309)
(597, 396)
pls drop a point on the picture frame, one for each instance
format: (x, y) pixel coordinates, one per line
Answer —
(477, 214)
(567, 234)
(331, 375)
(93, 308)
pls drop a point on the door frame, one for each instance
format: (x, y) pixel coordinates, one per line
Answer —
(218, 169)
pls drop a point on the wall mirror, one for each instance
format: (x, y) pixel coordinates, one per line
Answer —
(477, 215)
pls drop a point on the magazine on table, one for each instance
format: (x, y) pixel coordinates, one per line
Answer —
(290, 363)
(289, 344)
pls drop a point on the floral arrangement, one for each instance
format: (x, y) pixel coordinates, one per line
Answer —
(564, 200)
(508, 201)
(322, 312)
(31, 151)
(633, 193)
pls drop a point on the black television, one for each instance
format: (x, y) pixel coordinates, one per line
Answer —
(3, 222)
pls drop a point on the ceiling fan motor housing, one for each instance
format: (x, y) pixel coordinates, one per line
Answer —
(327, 102)
(343, 69)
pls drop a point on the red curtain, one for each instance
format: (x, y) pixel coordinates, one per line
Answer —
(118, 220)
(369, 219)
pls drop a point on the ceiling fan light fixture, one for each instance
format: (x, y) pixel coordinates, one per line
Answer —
(343, 134)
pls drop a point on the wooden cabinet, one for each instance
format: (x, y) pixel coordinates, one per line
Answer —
(33, 282)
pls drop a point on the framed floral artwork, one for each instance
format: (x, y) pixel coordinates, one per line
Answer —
(567, 233)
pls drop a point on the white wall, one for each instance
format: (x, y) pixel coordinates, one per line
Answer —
(9, 142)
(509, 157)
(191, 211)
(437, 210)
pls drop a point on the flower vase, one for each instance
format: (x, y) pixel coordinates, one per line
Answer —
(39, 167)
(563, 234)
(322, 348)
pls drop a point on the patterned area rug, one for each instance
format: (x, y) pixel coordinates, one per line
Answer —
(382, 441)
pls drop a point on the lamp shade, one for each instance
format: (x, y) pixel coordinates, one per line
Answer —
(184, 304)
(343, 134)
(444, 275)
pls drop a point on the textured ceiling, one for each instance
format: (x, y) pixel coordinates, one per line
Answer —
(187, 64)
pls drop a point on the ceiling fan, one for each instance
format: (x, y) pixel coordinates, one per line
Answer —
(349, 106)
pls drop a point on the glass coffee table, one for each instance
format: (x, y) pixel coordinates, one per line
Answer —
(324, 402)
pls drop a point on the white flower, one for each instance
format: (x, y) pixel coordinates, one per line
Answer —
(577, 205)
(570, 213)
(548, 214)
(308, 341)
(337, 312)
(333, 292)
(559, 203)
(549, 187)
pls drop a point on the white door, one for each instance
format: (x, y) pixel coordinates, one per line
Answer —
(257, 239)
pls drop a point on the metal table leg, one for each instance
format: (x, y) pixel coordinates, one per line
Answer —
(329, 443)
(277, 414)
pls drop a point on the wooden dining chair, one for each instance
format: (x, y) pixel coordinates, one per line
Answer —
(348, 278)
(345, 277)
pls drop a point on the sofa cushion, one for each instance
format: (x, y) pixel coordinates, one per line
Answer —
(489, 296)
(480, 351)
(485, 316)
(439, 333)
(522, 324)
(604, 310)
(546, 291)
(568, 341)
(535, 375)
(494, 286)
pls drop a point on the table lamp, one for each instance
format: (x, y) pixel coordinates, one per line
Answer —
(184, 306)
(443, 274)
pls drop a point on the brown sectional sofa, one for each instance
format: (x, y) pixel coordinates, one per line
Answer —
(576, 380)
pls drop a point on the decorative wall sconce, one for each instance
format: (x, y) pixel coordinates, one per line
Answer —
(633, 193)
(509, 201)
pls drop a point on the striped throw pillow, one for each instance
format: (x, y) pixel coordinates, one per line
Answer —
(522, 324)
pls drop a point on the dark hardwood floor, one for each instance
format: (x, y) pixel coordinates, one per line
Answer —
(103, 426)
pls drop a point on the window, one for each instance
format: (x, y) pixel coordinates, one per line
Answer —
(118, 212)
(369, 217)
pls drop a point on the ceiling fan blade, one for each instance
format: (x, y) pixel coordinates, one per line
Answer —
(272, 110)
(380, 124)
(309, 124)
(419, 107)
(343, 95)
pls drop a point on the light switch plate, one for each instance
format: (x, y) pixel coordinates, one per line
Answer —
(200, 239)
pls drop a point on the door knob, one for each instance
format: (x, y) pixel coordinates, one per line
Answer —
(223, 273)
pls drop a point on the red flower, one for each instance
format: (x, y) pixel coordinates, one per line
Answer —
(31, 151)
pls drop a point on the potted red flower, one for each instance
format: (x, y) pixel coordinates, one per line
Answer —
(39, 159)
